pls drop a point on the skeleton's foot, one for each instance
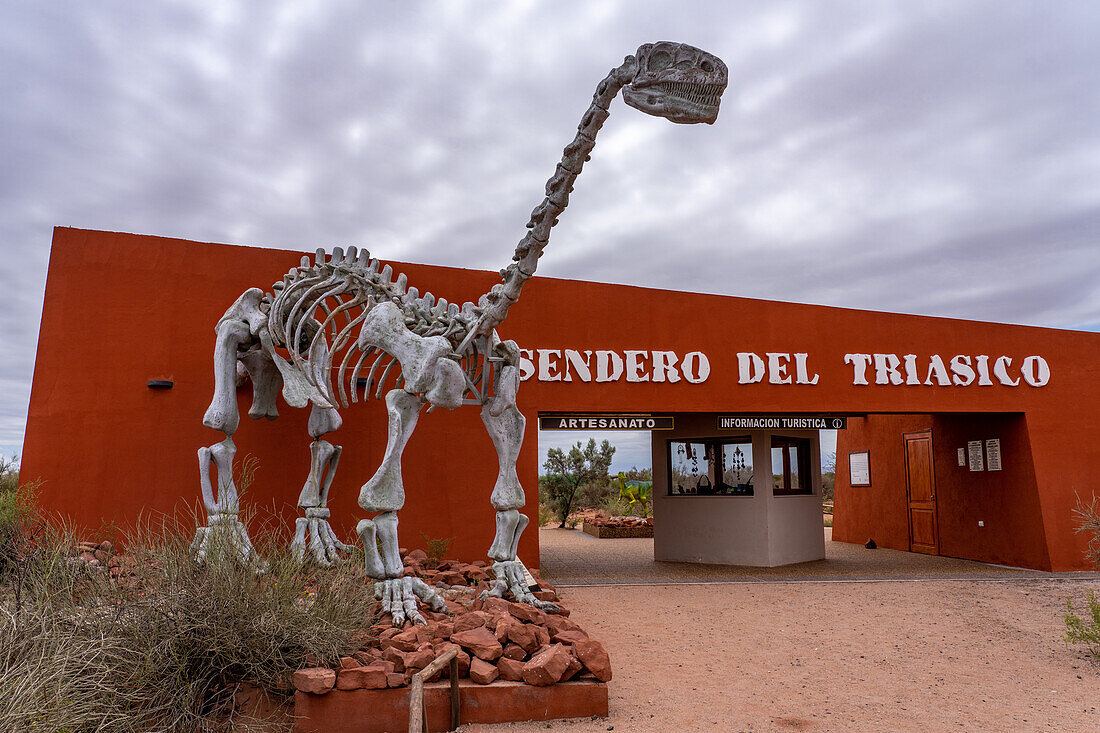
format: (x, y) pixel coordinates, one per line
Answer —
(398, 596)
(510, 578)
(313, 534)
(225, 532)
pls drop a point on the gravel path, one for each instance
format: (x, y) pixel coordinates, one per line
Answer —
(699, 648)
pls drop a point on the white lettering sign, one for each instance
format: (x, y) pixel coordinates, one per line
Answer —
(782, 368)
(961, 370)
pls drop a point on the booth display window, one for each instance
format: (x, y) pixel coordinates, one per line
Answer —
(710, 467)
(790, 466)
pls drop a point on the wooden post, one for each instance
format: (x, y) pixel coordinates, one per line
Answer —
(418, 714)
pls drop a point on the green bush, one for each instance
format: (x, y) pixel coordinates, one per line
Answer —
(17, 511)
(164, 645)
(1084, 630)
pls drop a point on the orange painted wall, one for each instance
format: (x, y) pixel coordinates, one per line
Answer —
(121, 309)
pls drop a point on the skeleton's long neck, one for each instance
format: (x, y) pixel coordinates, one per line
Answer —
(496, 302)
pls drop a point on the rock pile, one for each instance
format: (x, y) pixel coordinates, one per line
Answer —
(98, 555)
(496, 639)
(602, 520)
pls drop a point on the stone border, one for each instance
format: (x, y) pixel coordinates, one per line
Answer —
(379, 711)
(603, 532)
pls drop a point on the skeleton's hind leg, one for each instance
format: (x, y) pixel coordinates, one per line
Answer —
(224, 529)
(506, 424)
(385, 493)
(313, 532)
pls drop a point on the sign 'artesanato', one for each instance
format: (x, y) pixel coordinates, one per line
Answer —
(643, 365)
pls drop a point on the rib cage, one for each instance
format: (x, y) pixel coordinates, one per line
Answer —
(317, 311)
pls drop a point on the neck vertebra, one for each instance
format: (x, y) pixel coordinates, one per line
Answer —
(494, 305)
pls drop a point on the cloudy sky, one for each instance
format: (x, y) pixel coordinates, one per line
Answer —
(939, 158)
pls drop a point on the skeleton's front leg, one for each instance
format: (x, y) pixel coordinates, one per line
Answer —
(312, 531)
(385, 493)
(505, 424)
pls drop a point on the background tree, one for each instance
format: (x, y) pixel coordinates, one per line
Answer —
(566, 472)
(828, 477)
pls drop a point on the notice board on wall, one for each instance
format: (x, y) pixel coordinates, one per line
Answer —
(974, 455)
(859, 468)
(993, 454)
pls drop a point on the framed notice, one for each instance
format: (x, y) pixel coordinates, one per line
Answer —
(993, 454)
(859, 468)
(962, 456)
(974, 455)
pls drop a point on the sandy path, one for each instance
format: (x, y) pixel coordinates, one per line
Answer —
(909, 656)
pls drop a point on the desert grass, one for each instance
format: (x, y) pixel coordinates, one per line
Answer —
(165, 644)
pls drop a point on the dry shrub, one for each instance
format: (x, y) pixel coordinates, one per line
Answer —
(163, 646)
(1086, 629)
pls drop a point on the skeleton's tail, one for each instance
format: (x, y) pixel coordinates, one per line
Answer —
(494, 304)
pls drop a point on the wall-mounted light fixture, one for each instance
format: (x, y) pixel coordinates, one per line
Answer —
(159, 384)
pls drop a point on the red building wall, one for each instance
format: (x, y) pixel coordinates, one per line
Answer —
(1007, 502)
(121, 309)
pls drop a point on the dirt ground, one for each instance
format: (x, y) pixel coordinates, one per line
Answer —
(916, 654)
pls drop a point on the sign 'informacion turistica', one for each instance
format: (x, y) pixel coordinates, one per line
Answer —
(782, 422)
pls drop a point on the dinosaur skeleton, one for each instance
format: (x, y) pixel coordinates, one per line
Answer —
(339, 327)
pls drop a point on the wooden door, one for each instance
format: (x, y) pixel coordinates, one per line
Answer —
(920, 482)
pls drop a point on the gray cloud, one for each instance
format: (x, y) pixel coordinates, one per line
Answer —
(939, 158)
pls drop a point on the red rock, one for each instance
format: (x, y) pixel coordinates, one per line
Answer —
(523, 612)
(402, 645)
(546, 667)
(463, 659)
(396, 657)
(483, 672)
(418, 660)
(442, 631)
(416, 556)
(480, 642)
(515, 652)
(510, 669)
(386, 631)
(477, 575)
(525, 636)
(490, 604)
(396, 679)
(559, 623)
(501, 625)
(470, 620)
(546, 595)
(574, 667)
(105, 545)
(594, 657)
(315, 681)
(542, 635)
(453, 577)
(417, 635)
(480, 564)
(362, 678)
(367, 657)
(349, 663)
(568, 636)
